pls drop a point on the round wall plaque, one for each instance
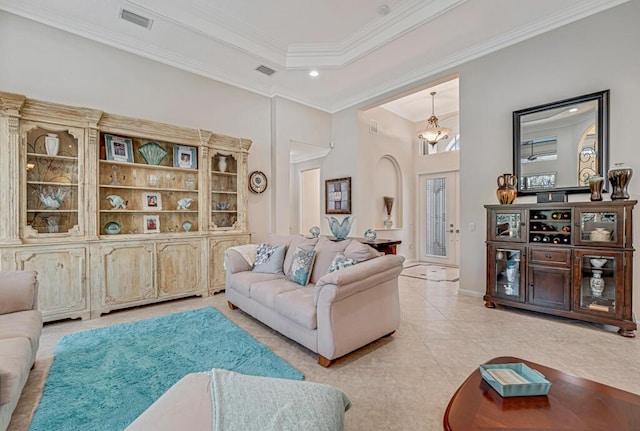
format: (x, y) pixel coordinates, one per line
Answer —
(257, 182)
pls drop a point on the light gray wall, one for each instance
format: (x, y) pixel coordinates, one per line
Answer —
(596, 53)
(44, 63)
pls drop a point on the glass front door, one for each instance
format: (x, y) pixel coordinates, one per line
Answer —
(439, 220)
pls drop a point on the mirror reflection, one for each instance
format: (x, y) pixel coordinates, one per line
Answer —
(558, 146)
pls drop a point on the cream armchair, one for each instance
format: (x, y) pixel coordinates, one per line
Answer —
(20, 328)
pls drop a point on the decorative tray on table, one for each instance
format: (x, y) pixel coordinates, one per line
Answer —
(515, 380)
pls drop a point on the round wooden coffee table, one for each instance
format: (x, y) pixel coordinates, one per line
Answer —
(573, 403)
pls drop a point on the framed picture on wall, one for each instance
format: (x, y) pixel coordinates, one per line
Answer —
(338, 196)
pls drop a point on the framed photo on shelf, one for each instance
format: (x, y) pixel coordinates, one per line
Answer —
(118, 148)
(185, 157)
(152, 224)
(338, 196)
(151, 201)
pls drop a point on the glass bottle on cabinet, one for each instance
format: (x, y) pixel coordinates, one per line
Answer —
(149, 187)
(224, 191)
(52, 180)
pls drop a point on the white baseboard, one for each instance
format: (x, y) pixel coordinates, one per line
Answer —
(470, 293)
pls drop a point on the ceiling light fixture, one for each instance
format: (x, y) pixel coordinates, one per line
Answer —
(573, 110)
(314, 73)
(433, 133)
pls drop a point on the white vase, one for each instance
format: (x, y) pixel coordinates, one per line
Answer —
(51, 144)
(222, 164)
(597, 283)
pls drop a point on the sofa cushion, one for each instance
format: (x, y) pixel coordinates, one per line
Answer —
(15, 362)
(326, 250)
(269, 259)
(360, 252)
(297, 305)
(265, 292)
(341, 261)
(301, 266)
(242, 281)
(298, 241)
(27, 324)
(276, 239)
(17, 290)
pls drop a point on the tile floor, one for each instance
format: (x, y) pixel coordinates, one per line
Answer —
(404, 382)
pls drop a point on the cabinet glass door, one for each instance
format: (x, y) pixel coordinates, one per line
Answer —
(224, 192)
(508, 275)
(598, 285)
(598, 227)
(507, 225)
(52, 181)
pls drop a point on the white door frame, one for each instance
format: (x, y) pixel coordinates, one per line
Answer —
(452, 221)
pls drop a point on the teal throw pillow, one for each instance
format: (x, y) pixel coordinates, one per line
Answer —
(340, 261)
(269, 259)
(301, 266)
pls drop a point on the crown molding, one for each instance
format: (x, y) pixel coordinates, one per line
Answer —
(404, 18)
(504, 40)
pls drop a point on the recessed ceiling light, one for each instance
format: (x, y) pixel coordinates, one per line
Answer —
(314, 73)
(573, 110)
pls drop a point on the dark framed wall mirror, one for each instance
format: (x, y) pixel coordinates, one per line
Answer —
(558, 146)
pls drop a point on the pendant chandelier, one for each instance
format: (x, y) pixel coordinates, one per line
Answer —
(433, 133)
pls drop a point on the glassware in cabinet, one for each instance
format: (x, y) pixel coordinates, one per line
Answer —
(508, 273)
(507, 225)
(52, 180)
(224, 191)
(600, 227)
(598, 284)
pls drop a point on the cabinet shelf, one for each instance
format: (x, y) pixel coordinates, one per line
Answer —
(144, 188)
(228, 174)
(119, 211)
(51, 183)
(47, 156)
(150, 167)
(223, 192)
(72, 211)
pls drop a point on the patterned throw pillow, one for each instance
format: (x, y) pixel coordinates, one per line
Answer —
(301, 266)
(340, 261)
(269, 259)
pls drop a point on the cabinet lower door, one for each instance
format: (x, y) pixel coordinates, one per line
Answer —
(61, 280)
(127, 274)
(217, 246)
(549, 287)
(179, 268)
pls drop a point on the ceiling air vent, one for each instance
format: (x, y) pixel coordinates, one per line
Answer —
(266, 70)
(136, 19)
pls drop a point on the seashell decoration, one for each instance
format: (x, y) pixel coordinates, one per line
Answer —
(152, 153)
(184, 203)
(50, 198)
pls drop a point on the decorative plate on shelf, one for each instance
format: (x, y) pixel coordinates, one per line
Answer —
(257, 182)
(152, 153)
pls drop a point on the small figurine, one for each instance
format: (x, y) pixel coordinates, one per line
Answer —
(184, 203)
(117, 202)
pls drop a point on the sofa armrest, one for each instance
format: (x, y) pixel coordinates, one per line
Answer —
(340, 284)
(234, 262)
(18, 291)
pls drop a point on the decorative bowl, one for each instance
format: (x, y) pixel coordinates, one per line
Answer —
(222, 206)
(370, 235)
(599, 234)
(51, 199)
(340, 229)
(112, 228)
(152, 153)
(598, 263)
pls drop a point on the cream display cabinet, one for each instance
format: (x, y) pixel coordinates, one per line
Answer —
(114, 211)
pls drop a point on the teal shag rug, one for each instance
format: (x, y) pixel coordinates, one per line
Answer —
(103, 379)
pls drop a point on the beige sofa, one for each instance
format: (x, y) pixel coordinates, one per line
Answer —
(337, 312)
(20, 328)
